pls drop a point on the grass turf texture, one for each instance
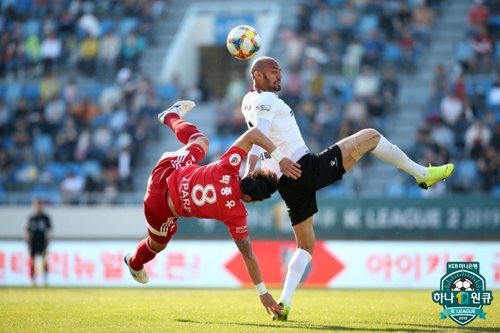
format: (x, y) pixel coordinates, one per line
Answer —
(225, 310)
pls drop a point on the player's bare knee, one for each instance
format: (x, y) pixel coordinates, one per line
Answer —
(202, 141)
(157, 246)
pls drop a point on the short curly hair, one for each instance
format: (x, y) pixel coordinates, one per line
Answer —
(259, 184)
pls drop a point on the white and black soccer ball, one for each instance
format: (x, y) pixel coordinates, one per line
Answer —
(243, 42)
(463, 284)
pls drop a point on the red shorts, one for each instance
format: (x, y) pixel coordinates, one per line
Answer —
(161, 222)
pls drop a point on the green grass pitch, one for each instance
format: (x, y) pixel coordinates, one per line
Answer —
(135, 310)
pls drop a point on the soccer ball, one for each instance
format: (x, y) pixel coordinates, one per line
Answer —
(463, 284)
(243, 42)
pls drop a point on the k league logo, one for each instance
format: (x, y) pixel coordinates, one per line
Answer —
(463, 293)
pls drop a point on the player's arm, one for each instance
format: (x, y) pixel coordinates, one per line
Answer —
(252, 265)
(255, 137)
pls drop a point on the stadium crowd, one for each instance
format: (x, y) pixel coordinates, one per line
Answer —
(60, 136)
(75, 111)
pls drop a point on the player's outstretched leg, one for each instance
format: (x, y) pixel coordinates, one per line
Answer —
(181, 108)
(140, 276)
(286, 311)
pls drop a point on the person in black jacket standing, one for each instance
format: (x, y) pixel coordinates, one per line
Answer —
(38, 235)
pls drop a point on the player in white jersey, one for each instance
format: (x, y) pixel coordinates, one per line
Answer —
(263, 109)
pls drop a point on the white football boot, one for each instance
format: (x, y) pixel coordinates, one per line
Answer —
(140, 276)
(181, 108)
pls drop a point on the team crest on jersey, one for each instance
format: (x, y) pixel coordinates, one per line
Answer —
(263, 107)
(235, 159)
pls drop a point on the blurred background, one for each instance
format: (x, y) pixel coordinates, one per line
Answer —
(82, 81)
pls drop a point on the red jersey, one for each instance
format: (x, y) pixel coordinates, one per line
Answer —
(212, 191)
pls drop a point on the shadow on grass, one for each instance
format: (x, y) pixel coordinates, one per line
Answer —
(320, 327)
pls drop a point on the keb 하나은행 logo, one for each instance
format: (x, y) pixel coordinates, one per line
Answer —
(463, 293)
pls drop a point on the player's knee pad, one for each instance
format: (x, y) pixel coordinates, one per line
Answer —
(363, 142)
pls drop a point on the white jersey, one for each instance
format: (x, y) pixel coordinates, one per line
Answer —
(283, 132)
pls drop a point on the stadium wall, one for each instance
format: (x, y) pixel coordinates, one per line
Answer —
(450, 218)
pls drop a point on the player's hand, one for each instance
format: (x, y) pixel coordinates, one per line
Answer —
(270, 304)
(289, 168)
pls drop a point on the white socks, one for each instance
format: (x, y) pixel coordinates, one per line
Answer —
(296, 268)
(391, 154)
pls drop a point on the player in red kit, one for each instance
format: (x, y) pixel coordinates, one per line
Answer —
(179, 187)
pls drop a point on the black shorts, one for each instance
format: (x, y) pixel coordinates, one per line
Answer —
(318, 171)
(37, 247)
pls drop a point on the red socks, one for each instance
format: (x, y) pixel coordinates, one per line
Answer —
(143, 254)
(182, 129)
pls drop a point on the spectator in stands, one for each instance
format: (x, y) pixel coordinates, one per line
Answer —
(373, 49)
(71, 188)
(6, 166)
(483, 47)
(408, 47)
(293, 87)
(303, 20)
(125, 169)
(440, 84)
(376, 112)
(67, 24)
(477, 137)
(403, 19)
(70, 93)
(357, 113)
(84, 144)
(347, 19)
(478, 102)
(109, 50)
(102, 139)
(89, 24)
(22, 139)
(132, 49)
(495, 138)
(389, 90)
(353, 56)
(423, 21)
(51, 51)
(479, 15)
(66, 140)
(5, 119)
(442, 135)
(461, 89)
(488, 165)
(147, 24)
(49, 86)
(39, 8)
(49, 25)
(89, 48)
(15, 60)
(451, 109)
(85, 111)
(54, 113)
(32, 49)
(322, 20)
(366, 83)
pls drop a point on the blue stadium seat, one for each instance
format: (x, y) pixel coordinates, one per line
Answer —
(50, 195)
(13, 92)
(106, 25)
(43, 147)
(31, 91)
(32, 27)
(56, 170)
(413, 191)
(91, 168)
(367, 24)
(463, 51)
(392, 53)
(126, 25)
(466, 174)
